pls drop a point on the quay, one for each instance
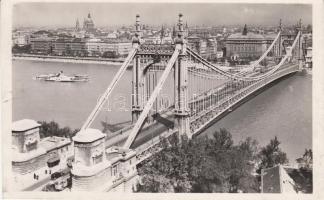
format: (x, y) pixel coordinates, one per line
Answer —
(64, 59)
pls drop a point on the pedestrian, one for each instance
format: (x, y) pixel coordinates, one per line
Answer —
(34, 176)
(45, 171)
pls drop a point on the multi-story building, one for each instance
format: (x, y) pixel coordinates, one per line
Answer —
(96, 47)
(93, 47)
(211, 47)
(78, 47)
(245, 45)
(206, 47)
(121, 48)
(62, 47)
(21, 39)
(153, 39)
(198, 45)
(42, 45)
(70, 47)
(34, 159)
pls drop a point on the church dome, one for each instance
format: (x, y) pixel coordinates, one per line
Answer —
(88, 20)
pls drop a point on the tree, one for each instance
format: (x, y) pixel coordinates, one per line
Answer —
(21, 49)
(53, 129)
(271, 155)
(308, 158)
(203, 164)
(110, 54)
(309, 28)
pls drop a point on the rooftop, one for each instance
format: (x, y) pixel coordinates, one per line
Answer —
(248, 36)
(53, 142)
(24, 125)
(270, 36)
(88, 135)
(271, 180)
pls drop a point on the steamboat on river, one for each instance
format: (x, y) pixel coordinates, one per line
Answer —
(60, 77)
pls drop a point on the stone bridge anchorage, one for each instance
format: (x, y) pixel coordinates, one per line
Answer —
(201, 92)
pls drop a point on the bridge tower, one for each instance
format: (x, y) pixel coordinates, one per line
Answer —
(280, 41)
(138, 82)
(300, 47)
(181, 99)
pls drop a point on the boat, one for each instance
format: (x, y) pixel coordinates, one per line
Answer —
(44, 76)
(60, 77)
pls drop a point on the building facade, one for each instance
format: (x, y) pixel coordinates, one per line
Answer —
(246, 45)
(70, 47)
(42, 45)
(206, 47)
(62, 47)
(100, 48)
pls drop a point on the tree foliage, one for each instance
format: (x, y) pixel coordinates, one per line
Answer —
(53, 129)
(203, 164)
(21, 49)
(272, 155)
(308, 158)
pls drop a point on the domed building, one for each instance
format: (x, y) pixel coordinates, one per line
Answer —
(245, 45)
(88, 24)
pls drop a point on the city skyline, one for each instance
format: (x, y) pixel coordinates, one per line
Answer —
(108, 14)
(160, 97)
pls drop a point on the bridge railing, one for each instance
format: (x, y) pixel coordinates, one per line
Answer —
(227, 103)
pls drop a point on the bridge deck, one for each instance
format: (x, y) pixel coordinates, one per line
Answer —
(155, 129)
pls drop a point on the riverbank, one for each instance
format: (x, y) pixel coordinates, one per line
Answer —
(62, 59)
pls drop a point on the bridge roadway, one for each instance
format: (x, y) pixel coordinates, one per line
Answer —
(154, 129)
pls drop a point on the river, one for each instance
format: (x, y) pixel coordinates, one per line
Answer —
(283, 110)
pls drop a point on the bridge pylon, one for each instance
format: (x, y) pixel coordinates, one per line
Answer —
(138, 78)
(181, 99)
(279, 54)
(300, 47)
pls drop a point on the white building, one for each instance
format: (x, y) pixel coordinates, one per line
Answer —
(98, 47)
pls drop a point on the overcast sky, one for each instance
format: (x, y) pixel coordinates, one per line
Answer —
(107, 14)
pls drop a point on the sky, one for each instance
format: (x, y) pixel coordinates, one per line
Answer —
(111, 14)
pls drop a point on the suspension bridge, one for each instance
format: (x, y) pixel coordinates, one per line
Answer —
(174, 91)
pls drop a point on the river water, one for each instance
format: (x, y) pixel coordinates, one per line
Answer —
(283, 110)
